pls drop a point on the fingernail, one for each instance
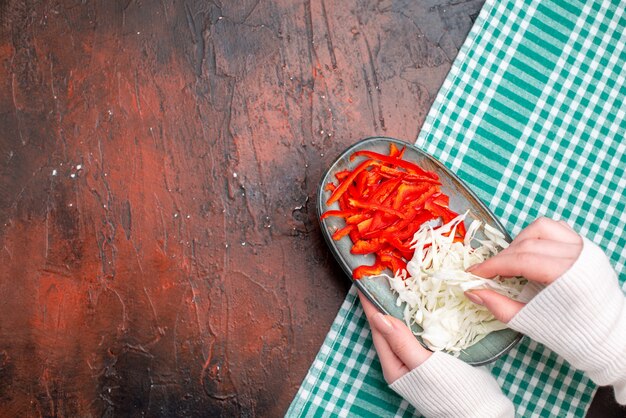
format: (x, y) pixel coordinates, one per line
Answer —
(381, 322)
(470, 268)
(474, 298)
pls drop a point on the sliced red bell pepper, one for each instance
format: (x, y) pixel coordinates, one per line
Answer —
(354, 235)
(395, 152)
(348, 181)
(340, 233)
(367, 246)
(407, 165)
(403, 248)
(418, 201)
(416, 178)
(439, 199)
(364, 226)
(341, 175)
(358, 218)
(384, 190)
(343, 202)
(338, 213)
(391, 260)
(384, 201)
(391, 172)
(330, 187)
(438, 205)
(364, 270)
(366, 205)
(361, 182)
(406, 229)
(413, 195)
(378, 225)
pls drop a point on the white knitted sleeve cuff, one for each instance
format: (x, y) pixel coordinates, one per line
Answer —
(582, 317)
(444, 386)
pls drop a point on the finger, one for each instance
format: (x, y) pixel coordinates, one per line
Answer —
(502, 307)
(393, 367)
(545, 247)
(532, 266)
(544, 228)
(396, 334)
(400, 339)
(565, 224)
(368, 307)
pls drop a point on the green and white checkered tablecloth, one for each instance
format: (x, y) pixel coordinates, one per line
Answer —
(532, 117)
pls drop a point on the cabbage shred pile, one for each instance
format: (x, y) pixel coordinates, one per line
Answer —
(434, 282)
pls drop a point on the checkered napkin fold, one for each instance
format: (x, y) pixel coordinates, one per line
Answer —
(532, 118)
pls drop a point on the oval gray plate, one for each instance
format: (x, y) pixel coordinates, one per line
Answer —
(377, 290)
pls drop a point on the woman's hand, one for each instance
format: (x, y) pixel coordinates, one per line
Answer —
(541, 253)
(398, 349)
(444, 386)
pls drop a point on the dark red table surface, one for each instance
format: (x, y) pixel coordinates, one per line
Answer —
(159, 162)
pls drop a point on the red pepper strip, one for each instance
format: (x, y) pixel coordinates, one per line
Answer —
(343, 202)
(405, 234)
(373, 179)
(435, 203)
(420, 218)
(383, 220)
(384, 191)
(376, 227)
(413, 195)
(409, 166)
(352, 191)
(394, 151)
(438, 206)
(390, 172)
(348, 181)
(366, 179)
(393, 172)
(358, 218)
(404, 249)
(367, 246)
(354, 235)
(388, 176)
(416, 178)
(364, 226)
(366, 205)
(441, 199)
(401, 265)
(377, 222)
(400, 224)
(341, 175)
(406, 229)
(364, 271)
(409, 233)
(392, 260)
(388, 200)
(338, 213)
(361, 182)
(410, 190)
(340, 233)
(447, 215)
(419, 202)
(414, 218)
(330, 187)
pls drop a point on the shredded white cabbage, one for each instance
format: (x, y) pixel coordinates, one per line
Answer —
(432, 286)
